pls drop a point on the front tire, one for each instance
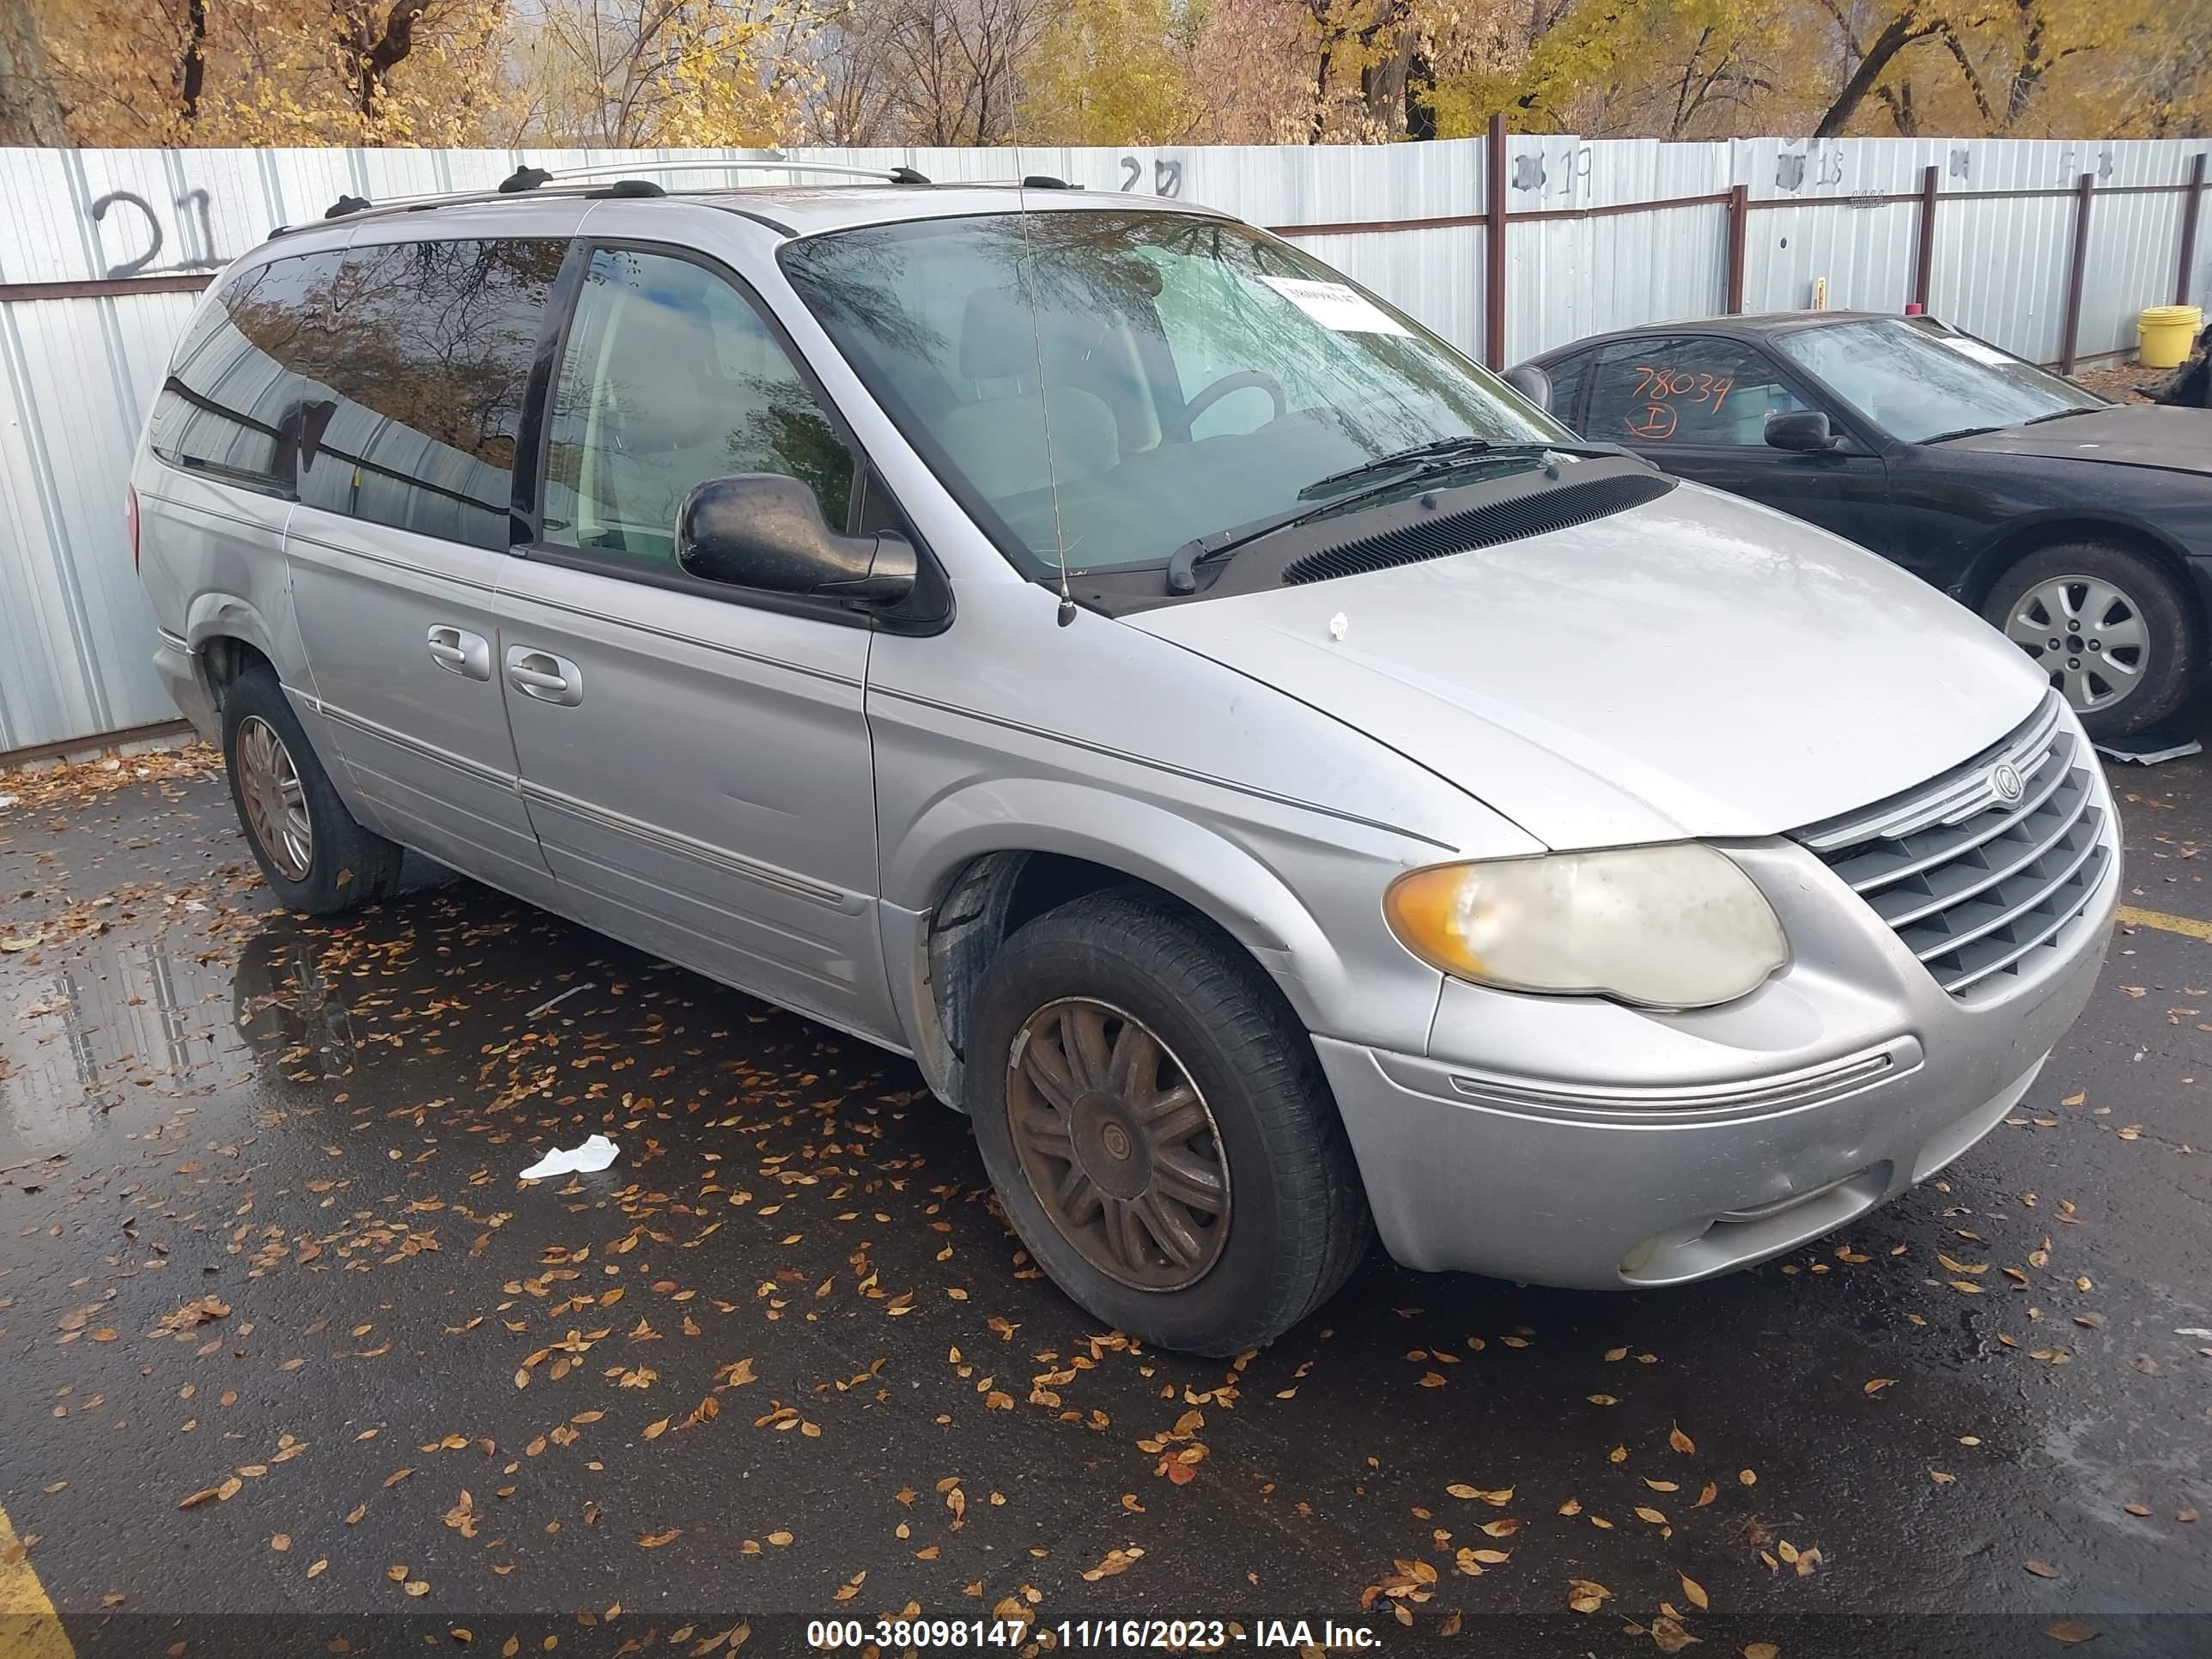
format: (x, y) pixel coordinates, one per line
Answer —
(313, 854)
(1158, 1127)
(2114, 630)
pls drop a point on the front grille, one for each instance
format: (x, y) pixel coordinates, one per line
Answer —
(1974, 883)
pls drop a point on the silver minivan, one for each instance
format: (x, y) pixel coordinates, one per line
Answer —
(1281, 785)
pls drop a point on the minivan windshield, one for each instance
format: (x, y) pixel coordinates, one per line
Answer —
(1919, 385)
(1122, 383)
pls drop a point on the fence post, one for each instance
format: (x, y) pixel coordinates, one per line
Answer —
(1493, 239)
(2194, 200)
(1924, 275)
(2071, 342)
(1739, 215)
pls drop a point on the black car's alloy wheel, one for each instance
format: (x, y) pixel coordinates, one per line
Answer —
(2112, 630)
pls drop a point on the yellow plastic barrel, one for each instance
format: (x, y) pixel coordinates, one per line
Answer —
(2166, 333)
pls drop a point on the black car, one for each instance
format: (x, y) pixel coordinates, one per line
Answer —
(2081, 528)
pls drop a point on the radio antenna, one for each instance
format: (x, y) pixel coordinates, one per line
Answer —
(1028, 268)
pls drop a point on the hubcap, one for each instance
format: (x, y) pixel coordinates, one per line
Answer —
(275, 800)
(1118, 1145)
(2086, 635)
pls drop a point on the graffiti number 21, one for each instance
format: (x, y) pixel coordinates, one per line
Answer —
(198, 233)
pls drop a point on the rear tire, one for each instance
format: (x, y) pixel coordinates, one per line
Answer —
(2077, 594)
(1198, 1190)
(313, 854)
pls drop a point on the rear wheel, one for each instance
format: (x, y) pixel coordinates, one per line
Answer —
(2113, 630)
(314, 855)
(1157, 1128)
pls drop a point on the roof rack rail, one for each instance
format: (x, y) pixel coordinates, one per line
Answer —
(525, 180)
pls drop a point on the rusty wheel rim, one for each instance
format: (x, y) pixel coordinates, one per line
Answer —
(1118, 1145)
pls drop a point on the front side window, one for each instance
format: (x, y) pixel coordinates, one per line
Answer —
(1657, 394)
(414, 364)
(1919, 383)
(1118, 384)
(671, 378)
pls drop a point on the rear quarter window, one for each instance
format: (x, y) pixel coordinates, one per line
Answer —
(385, 383)
(231, 402)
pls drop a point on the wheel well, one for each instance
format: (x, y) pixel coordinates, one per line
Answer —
(223, 659)
(985, 901)
(2015, 545)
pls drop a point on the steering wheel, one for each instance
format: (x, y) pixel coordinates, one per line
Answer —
(1236, 381)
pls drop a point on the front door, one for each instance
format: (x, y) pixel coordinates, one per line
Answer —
(1697, 407)
(412, 369)
(696, 764)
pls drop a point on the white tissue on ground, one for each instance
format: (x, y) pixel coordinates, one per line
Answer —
(594, 1154)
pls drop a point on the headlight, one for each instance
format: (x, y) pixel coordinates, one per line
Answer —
(1678, 926)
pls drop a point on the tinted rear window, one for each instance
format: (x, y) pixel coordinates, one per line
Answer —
(231, 402)
(386, 384)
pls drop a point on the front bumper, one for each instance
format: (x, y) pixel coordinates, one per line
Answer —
(1600, 1146)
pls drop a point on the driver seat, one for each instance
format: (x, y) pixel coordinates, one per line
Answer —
(999, 439)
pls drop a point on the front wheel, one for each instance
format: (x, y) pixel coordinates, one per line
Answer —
(1157, 1128)
(2113, 630)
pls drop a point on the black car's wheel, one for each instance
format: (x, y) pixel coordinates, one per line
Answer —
(2115, 631)
(315, 856)
(1158, 1127)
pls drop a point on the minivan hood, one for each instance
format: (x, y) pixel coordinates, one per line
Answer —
(1699, 665)
(2126, 435)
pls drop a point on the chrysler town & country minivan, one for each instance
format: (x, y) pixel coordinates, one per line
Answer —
(1285, 787)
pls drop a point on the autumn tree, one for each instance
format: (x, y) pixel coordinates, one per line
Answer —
(1106, 72)
(181, 72)
(30, 107)
(629, 73)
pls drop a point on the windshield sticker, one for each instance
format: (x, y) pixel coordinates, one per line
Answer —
(1334, 305)
(1977, 350)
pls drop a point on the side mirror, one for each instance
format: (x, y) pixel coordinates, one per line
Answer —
(1532, 383)
(765, 532)
(1805, 431)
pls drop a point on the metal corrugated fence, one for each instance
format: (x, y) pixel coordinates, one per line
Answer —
(101, 252)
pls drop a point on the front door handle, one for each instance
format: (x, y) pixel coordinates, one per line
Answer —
(460, 652)
(542, 675)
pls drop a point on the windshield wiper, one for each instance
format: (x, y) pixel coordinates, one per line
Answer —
(1184, 563)
(1446, 452)
(2003, 426)
(1438, 457)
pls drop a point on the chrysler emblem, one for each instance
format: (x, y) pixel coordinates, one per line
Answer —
(2004, 778)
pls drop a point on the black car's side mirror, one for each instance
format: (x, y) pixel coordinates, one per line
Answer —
(766, 531)
(1532, 383)
(1805, 431)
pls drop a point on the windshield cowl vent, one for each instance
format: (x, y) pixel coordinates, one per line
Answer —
(1483, 526)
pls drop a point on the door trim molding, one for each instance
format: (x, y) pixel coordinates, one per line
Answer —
(461, 763)
(736, 864)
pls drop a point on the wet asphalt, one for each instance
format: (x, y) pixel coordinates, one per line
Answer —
(294, 1362)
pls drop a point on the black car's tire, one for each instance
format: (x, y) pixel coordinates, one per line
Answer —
(280, 788)
(1086, 989)
(2065, 592)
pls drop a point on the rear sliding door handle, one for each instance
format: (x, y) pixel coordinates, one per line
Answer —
(542, 675)
(461, 651)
